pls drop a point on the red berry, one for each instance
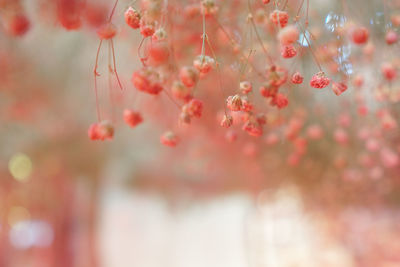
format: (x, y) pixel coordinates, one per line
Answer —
(360, 35)
(158, 53)
(227, 121)
(180, 91)
(279, 18)
(169, 139)
(18, 25)
(288, 51)
(319, 80)
(147, 80)
(234, 103)
(288, 35)
(101, 131)
(188, 76)
(252, 128)
(194, 108)
(203, 63)
(389, 71)
(132, 18)
(280, 100)
(132, 118)
(339, 88)
(245, 87)
(107, 31)
(297, 78)
(391, 37)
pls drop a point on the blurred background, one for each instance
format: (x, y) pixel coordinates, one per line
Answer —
(66, 200)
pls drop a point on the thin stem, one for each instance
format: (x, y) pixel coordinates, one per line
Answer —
(172, 99)
(142, 59)
(298, 11)
(308, 3)
(95, 80)
(233, 45)
(245, 64)
(345, 8)
(164, 12)
(311, 50)
(218, 71)
(115, 65)
(258, 36)
(110, 93)
(203, 47)
(113, 11)
(285, 5)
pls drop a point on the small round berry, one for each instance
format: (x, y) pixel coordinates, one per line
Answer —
(146, 29)
(246, 106)
(159, 35)
(389, 71)
(158, 53)
(360, 35)
(169, 139)
(339, 88)
(132, 18)
(269, 91)
(180, 91)
(18, 25)
(105, 130)
(391, 37)
(234, 103)
(288, 51)
(245, 87)
(107, 31)
(288, 35)
(101, 131)
(261, 118)
(147, 80)
(252, 128)
(276, 75)
(279, 18)
(194, 108)
(185, 117)
(297, 78)
(227, 121)
(203, 63)
(280, 100)
(132, 118)
(92, 132)
(395, 18)
(188, 76)
(319, 80)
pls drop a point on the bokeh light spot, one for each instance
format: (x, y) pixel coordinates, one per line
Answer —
(20, 167)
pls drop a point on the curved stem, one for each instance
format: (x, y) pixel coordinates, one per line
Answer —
(258, 35)
(233, 45)
(95, 81)
(115, 65)
(218, 71)
(113, 11)
(311, 50)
